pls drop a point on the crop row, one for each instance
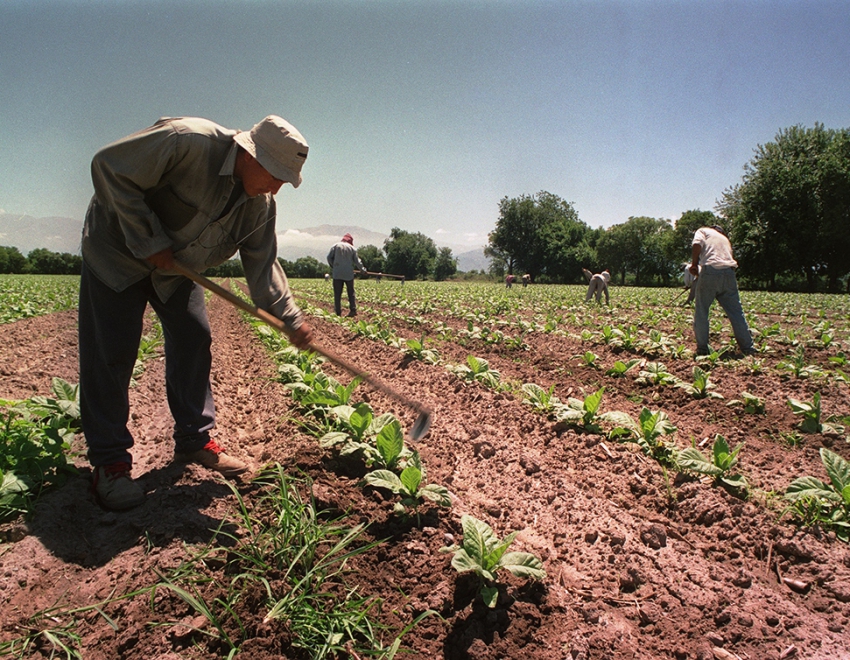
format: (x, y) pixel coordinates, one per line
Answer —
(23, 296)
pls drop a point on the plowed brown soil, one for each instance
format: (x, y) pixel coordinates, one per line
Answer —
(636, 568)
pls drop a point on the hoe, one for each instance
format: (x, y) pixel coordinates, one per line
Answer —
(423, 421)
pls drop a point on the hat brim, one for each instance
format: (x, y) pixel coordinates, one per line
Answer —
(269, 164)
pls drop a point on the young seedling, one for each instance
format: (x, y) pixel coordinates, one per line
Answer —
(620, 368)
(588, 359)
(711, 359)
(611, 336)
(811, 414)
(701, 387)
(797, 365)
(655, 373)
(484, 554)
(541, 400)
(718, 466)
(825, 505)
(416, 349)
(478, 370)
(355, 431)
(647, 432)
(149, 348)
(580, 413)
(320, 391)
(408, 486)
(751, 404)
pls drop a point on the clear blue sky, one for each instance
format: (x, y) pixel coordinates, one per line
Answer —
(423, 115)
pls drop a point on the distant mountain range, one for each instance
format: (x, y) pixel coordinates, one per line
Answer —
(57, 234)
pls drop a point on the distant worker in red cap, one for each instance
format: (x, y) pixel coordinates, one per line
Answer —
(184, 190)
(343, 261)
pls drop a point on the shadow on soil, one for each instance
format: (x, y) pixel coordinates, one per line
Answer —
(75, 528)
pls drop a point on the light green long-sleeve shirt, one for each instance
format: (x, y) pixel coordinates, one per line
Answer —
(168, 186)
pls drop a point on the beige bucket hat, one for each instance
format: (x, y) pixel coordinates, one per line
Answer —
(278, 147)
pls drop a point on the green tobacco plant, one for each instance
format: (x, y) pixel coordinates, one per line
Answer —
(541, 400)
(320, 391)
(797, 365)
(655, 373)
(409, 486)
(589, 359)
(841, 359)
(353, 428)
(701, 387)
(647, 431)
(811, 414)
(711, 359)
(416, 349)
(149, 348)
(610, 336)
(581, 413)
(35, 438)
(62, 409)
(751, 404)
(820, 504)
(376, 440)
(656, 343)
(719, 466)
(484, 554)
(478, 370)
(294, 365)
(620, 368)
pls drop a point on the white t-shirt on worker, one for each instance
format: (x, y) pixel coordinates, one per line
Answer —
(716, 250)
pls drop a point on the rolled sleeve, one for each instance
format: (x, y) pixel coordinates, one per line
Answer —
(266, 279)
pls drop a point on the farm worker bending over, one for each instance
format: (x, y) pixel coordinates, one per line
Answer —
(343, 261)
(186, 190)
(713, 266)
(689, 279)
(598, 285)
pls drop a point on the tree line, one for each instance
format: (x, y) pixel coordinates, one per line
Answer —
(39, 261)
(788, 219)
(411, 255)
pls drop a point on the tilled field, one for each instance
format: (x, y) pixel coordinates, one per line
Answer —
(638, 565)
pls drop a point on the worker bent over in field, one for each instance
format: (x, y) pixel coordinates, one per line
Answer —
(598, 284)
(191, 191)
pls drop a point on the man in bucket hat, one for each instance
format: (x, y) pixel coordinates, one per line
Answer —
(343, 261)
(186, 190)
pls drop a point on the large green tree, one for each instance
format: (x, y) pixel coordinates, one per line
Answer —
(677, 243)
(791, 212)
(372, 258)
(11, 260)
(637, 247)
(409, 254)
(445, 266)
(539, 234)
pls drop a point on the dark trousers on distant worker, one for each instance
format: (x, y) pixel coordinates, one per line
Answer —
(352, 303)
(110, 329)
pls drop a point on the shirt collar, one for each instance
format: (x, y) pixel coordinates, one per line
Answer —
(230, 161)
